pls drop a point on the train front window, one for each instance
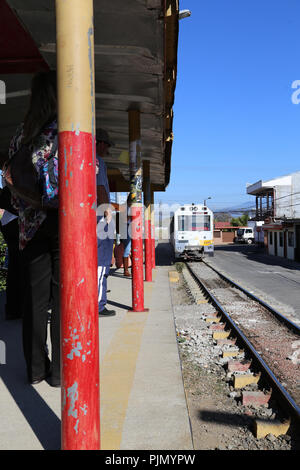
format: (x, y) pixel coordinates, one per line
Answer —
(182, 222)
(194, 223)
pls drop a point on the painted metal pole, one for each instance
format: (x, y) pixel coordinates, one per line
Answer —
(147, 229)
(80, 407)
(136, 211)
(118, 237)
(160, 222)
(153, 229)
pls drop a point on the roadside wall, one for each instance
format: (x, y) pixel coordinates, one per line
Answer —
(282, 237)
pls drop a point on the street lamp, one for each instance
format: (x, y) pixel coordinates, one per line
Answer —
(206, 200)
(184, 14)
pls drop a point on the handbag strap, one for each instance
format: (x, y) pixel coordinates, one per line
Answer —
(54, 147)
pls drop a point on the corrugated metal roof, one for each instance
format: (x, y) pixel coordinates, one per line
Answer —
(135, 67)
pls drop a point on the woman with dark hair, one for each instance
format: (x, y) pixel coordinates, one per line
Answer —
(38, 238)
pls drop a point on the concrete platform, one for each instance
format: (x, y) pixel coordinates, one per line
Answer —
(143, 405)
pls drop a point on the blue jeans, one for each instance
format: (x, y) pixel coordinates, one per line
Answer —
(103, 273)
(127, 247)
(105, 249)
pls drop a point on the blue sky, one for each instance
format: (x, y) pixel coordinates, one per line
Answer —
(234, 120)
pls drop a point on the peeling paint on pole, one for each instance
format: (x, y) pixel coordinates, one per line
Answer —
(80, 345)
(136, 182)
(78, 241)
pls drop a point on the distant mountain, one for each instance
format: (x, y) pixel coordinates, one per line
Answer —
(238, 209)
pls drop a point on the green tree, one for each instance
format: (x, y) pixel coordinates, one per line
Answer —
(240, 221)
(244, 219)
(235, 221)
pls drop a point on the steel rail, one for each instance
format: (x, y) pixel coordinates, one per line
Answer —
(277, 314)
(287, 401)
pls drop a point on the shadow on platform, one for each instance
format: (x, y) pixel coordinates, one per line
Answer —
(42, 420)
(117, 304)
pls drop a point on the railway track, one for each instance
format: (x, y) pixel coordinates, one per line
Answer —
(262, 346)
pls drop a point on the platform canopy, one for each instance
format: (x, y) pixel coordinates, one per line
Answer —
(135, 68)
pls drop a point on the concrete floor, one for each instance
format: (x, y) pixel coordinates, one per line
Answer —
(141, 389)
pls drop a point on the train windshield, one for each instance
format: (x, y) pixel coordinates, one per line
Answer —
(194, 223)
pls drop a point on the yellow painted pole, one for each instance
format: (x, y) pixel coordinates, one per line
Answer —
(80, 408)
(147, 222)
(153, 229)
(136, 210)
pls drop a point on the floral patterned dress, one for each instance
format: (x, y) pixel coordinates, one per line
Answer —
(30, 219)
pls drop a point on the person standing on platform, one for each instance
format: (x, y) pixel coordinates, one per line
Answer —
(15, 276)
(127, 241)
(10, 230)
(105, 224)
(39, 237)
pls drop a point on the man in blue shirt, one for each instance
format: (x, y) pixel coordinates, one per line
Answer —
(105, 225)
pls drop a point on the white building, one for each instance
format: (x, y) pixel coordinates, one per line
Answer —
(278, 205)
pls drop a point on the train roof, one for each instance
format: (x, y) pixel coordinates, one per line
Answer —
(199, 206)
(193, 207)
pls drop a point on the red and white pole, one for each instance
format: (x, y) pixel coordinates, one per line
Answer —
(147, 230)
(153, 229)
(136, 211)
(80, 407)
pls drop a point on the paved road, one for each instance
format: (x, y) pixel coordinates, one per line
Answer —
(275, 280)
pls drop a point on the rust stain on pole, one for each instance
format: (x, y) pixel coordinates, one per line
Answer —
(78, 242)
(136, 186)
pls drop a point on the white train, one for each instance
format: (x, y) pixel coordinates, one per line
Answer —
(192, 231)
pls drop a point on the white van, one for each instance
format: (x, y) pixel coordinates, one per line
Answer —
(245, 235)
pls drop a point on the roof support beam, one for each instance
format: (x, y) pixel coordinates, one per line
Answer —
(80, 409)
(136, 184)
(147, 212)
